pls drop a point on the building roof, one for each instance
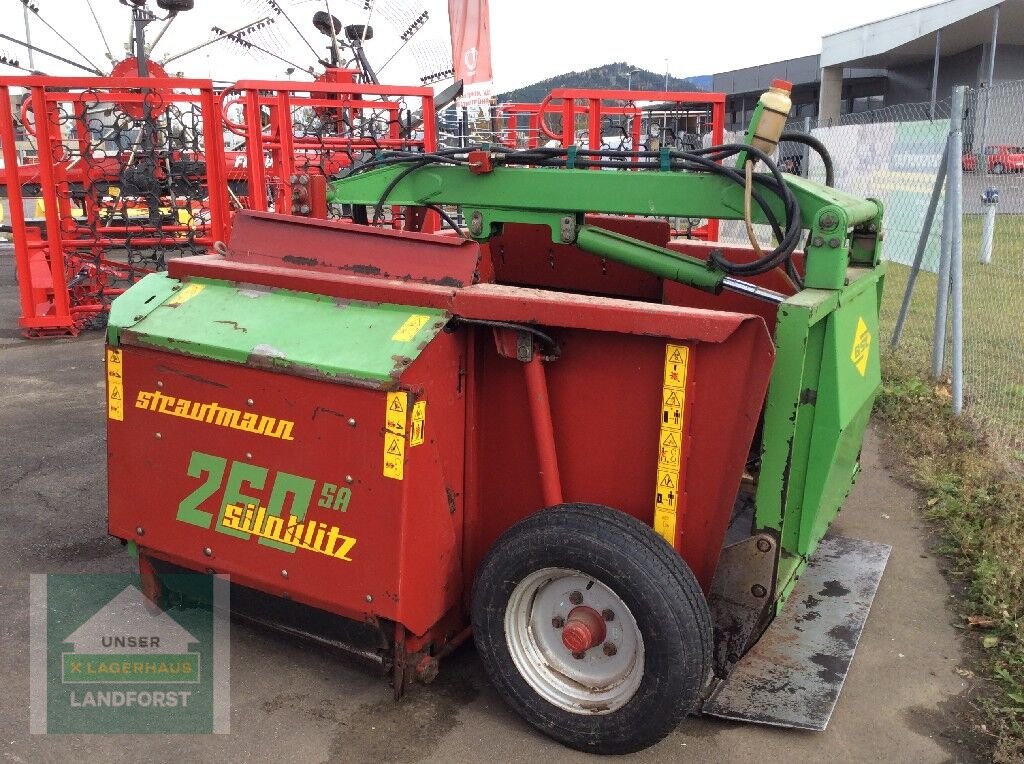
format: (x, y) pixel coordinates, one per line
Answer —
(909, 37)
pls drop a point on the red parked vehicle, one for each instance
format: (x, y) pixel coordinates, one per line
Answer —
(1000, 159)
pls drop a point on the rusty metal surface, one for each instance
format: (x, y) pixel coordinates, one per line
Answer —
(334, 247)
(793, 676)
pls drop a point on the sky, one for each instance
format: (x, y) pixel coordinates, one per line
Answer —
(531, 39)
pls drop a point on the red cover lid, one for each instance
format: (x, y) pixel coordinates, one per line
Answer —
(783, 85)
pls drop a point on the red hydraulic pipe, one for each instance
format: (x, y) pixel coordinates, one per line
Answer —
(543, 430)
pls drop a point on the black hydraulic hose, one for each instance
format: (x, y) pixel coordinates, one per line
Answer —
(819, 148)
(709, 160)
(447, 219)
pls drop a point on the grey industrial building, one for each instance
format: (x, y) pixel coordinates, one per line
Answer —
(915, 57)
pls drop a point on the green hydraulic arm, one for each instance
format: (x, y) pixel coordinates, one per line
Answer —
(826, 371)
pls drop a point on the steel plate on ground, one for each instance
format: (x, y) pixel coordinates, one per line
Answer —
(793, 676)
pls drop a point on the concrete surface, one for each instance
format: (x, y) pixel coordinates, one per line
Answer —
(294, 701)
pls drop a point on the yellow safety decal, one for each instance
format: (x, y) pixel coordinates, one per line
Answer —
(395, 415)
(667, 501)
(861, 347)
(412, 325)
(419, 421)
(115, 385)
(394, 456)
(186, 294)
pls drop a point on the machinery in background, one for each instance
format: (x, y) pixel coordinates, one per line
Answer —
(609, 456)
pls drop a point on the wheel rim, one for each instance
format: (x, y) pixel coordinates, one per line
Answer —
(554, 607)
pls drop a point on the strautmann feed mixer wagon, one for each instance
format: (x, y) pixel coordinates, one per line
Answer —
(610, 456)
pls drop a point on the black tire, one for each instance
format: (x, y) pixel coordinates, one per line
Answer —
(648, 576)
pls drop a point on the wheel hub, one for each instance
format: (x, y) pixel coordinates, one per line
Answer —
(554, 619)
(584, 628)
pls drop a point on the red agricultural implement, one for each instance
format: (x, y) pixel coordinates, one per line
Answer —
(132, 172)
(610, 456)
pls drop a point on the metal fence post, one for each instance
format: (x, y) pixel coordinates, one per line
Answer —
(954, 169)
(989, 201)
(957, 247)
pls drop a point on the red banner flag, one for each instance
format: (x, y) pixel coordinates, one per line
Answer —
(471, 40)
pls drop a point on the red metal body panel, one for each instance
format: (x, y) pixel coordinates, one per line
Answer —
(405, 564)
(524, 255)
(323, 246)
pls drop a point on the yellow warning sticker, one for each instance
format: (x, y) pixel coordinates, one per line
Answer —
(419, 421)
(672, 408)
(667, 496)
(668, 504)
(675, 365)
(395, 414)
(186, 294)
(412, 325)
(861, 347)
(394, 456)
(115, 385)
(668, 449)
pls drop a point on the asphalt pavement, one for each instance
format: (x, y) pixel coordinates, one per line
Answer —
(293, 701)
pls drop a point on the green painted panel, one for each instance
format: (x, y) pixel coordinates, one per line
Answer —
(307, 334)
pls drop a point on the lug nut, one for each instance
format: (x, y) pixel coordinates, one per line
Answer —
(558, 622)
(140, 531)
(208, 552)
(610, 649)
(758, 591)
(764, 545)
(607, 614)
(576, 598)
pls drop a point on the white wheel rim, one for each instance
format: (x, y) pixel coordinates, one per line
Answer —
(609, 673)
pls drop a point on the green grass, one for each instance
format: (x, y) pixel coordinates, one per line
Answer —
(993, 328)
(972, 490)
(977, 501)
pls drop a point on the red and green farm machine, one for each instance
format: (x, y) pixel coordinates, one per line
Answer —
(607, 454)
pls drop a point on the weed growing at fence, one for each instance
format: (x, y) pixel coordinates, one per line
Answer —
(977, 499)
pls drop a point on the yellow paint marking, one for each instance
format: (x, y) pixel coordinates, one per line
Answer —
(419, 422)
(408, 330)
(394, 456)
(861, 347)
(186, 294)
(394, 415)
(115, 385)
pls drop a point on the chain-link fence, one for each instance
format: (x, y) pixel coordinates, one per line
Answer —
(894, 155)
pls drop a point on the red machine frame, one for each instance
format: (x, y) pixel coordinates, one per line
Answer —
(48, 259)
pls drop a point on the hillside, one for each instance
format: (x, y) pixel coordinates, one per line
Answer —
(609, 76)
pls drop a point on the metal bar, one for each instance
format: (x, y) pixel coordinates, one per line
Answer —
(935, 73)
(68, 61)
(99, 27)
(957, 256)
(988, 85)
(922, 243)
(44, 126)
(28, 37)
(284, 155)
(213, 145)
(17, 208)
(543, 430)
(948, 233)
(254, 149)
